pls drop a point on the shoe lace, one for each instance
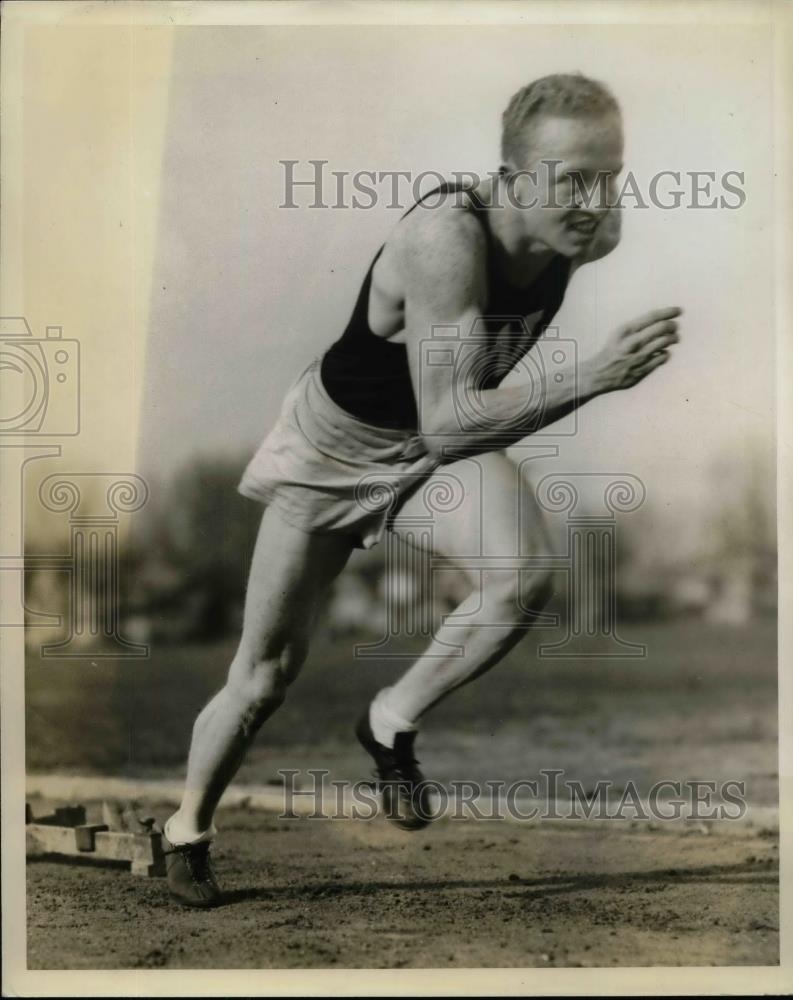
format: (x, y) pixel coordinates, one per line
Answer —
(196, 859)
(403, 760)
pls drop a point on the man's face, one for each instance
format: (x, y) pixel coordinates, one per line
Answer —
(571, 180)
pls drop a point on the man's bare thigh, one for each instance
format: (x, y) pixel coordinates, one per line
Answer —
(290, 573)
(480, 506)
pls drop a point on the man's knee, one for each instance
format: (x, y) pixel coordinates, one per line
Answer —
(261, 685)
(260, 682)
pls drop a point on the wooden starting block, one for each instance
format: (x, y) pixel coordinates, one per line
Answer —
(66, 832)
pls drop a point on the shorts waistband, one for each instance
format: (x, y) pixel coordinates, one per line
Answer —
(368, 434)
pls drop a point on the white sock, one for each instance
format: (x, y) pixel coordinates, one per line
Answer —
(178, 832)
(385, 722)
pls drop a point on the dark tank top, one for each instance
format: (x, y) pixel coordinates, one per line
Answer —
(369, 377)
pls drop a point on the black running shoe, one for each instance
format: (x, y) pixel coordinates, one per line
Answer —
(191, 880)
(406, 796)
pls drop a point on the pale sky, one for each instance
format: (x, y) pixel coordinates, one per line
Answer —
(245, 293)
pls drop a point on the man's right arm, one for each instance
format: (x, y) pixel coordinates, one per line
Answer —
(444, 264)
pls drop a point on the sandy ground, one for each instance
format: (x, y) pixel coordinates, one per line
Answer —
(358, 894)
(313, 894)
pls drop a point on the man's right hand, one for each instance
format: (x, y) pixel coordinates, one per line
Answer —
(634, 350)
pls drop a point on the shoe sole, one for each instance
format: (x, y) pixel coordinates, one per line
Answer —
(194, 904)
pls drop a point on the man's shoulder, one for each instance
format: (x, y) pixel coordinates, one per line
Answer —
(440, 238)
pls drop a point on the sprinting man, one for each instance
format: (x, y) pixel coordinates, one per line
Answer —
(494, 258)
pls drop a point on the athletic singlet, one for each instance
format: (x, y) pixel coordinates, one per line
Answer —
(369, 377)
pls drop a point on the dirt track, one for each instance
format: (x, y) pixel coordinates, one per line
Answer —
(361, 894)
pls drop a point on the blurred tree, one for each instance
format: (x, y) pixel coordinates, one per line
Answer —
(742, 544)
(206, 533)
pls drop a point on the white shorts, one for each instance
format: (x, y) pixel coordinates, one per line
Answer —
(327, 471)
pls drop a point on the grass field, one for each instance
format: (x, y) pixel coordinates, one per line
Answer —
(702, 705)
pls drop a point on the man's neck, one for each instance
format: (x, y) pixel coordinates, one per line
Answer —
(519, 257)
